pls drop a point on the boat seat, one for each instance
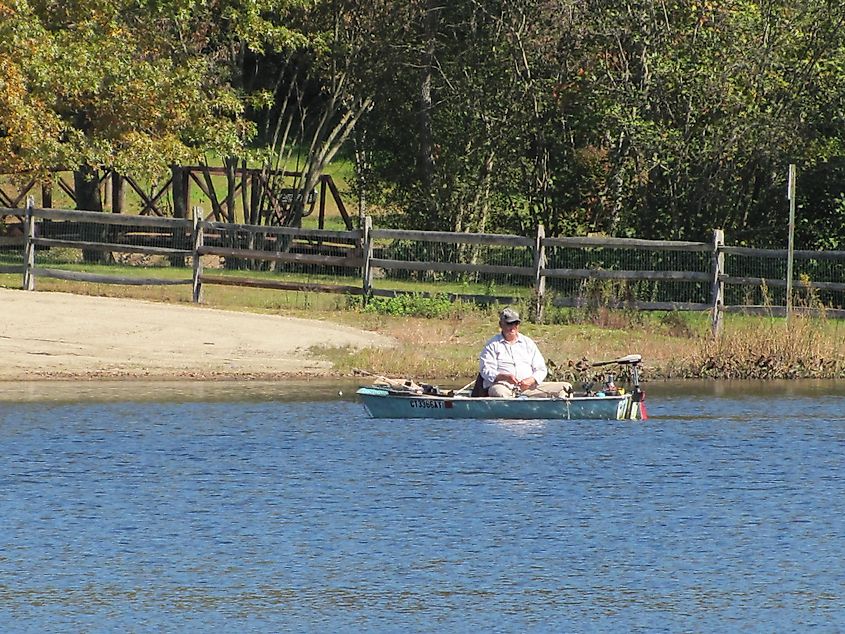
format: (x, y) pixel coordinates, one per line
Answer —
(478, 389)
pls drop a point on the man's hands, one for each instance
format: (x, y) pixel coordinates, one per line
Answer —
(506, 377)
(526, 384)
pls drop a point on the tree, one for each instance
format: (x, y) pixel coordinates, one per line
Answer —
(30, 131)
(702, 107)
(111, 90)
(654, 118)
(440, 122)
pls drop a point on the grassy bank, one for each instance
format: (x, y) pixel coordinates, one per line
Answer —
(444, 345)
(672, 345)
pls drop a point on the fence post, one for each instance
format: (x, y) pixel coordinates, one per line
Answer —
(717, 290)
(118, 196)
(29, 247)
(790, 194)
(367, 253)
(539, 278)
(197, 244)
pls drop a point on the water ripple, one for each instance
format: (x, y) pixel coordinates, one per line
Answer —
(266, 515)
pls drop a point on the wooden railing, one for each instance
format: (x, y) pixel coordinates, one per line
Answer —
(172, 196)
(358, 251)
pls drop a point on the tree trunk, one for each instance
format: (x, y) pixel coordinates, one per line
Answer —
(86, 185)
(180, 208)
(231, 164)
(425, 157)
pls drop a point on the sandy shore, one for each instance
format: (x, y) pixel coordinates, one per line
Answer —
(64, 336)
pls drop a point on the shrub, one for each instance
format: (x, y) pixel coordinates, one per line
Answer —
(411, 305)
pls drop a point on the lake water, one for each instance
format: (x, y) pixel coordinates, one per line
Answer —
(137, 507)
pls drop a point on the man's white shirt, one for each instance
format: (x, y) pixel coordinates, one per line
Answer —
(521, 358)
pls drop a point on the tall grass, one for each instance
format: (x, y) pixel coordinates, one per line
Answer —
(807, 345)
(448, 347)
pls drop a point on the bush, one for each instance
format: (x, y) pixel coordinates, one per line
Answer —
(411, 305)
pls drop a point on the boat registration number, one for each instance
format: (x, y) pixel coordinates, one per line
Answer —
(425, 403)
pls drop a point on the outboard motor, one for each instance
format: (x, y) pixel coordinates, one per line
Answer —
(610, 386)
(637, 394)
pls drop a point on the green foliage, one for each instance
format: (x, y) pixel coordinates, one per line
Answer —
(651, 119)
(31, 131)
(111, 84)
(411, 305)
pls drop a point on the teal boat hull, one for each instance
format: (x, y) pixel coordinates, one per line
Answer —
(382, 403)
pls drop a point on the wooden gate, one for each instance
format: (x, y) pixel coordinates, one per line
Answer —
(249, 197)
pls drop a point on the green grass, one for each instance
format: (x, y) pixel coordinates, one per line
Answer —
(444, 347)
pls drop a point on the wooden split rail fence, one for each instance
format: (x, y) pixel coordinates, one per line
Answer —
(356, 252)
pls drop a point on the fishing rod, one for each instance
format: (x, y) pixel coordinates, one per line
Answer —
(630, 359)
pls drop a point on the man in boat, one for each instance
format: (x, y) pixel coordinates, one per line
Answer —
(511, 364)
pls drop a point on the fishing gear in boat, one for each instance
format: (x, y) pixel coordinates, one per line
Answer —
(633, 362)
(402, 398)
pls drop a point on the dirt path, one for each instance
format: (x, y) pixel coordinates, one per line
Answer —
(59, 335)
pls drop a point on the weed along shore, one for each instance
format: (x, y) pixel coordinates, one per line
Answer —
(673, 345)
(261, 333)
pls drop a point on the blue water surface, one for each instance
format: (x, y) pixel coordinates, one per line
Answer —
(267, 513)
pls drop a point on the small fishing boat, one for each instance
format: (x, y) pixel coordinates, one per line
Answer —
(396, 399)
